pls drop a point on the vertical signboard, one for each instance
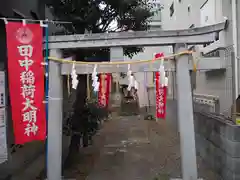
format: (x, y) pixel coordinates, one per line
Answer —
(161, 94)
(26, 81)
(104, 89)
(3, 123)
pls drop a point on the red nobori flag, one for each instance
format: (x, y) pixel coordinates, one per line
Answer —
(161, 94)
(26, 81)
(104, 89)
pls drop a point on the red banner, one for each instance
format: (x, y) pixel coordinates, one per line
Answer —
(161, 94)
(26, 81)
(104, 89)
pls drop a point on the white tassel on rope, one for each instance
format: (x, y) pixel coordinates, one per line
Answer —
(162, 72)
(130, 79)
(136, 84)
(166, 81)
(74, 76)
(95, 83)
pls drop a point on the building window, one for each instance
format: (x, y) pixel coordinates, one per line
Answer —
(171, 9)
(189, 9)
(216, 36)
(157, 16)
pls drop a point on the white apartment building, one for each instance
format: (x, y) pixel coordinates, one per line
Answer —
(184, 14)
(156, 19)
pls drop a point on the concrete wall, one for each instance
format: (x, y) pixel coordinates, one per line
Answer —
(217, 141)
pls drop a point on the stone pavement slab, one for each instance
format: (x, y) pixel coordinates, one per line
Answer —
(133, 149)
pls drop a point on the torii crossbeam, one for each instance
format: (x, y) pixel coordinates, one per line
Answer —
(179, 39)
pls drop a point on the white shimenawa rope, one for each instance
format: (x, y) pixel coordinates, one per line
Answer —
(95, 83)
(74, 77)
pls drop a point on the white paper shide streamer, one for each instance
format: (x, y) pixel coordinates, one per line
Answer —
(136, 84)
(74, 77)
(162, 74)
(95, 83)
(131, 80)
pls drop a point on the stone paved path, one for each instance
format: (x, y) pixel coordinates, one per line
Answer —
(132, 149)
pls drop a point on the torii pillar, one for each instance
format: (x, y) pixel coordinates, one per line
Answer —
(185, 115)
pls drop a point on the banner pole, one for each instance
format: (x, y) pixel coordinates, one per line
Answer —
(46, 86)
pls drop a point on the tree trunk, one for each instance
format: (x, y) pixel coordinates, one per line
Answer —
(85, 139)
(78, 118)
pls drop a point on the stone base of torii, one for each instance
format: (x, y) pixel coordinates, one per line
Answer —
(179, 39)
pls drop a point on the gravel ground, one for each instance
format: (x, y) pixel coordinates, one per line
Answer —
(127, 148)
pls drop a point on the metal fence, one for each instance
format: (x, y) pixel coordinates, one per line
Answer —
(229, 98)
(206, 103)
